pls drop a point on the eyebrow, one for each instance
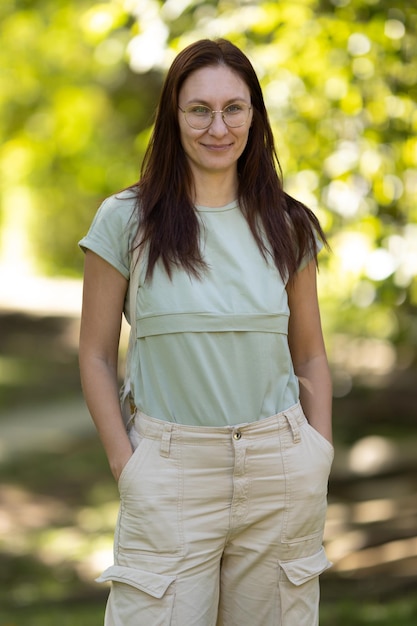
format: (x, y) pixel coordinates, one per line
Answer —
(207, 104)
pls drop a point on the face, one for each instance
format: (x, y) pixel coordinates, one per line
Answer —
(218, 147)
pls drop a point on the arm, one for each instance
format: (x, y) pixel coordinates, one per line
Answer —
(308, 351)
(103, 298)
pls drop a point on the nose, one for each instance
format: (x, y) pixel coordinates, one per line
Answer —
(217, 126)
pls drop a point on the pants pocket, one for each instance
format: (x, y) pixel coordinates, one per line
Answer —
(307, 466)
(138, 597)
(133, 464)
(151, 491)
(299, 589)
(326, 445)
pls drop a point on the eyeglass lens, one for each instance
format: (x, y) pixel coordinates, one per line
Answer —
(200, 117)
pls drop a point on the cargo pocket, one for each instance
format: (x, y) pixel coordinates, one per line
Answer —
(299, 589)
(302, 570)
(136, 593)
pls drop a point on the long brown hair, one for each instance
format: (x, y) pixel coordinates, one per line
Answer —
(281, 226)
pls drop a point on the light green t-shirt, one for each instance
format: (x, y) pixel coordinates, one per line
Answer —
(210, 351)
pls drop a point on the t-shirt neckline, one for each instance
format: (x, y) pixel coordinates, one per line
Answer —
(227, 207)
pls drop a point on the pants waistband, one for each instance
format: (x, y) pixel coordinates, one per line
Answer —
(292, 418)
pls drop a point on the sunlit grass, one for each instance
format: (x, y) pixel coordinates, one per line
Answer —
(400, 612)
(84, 615)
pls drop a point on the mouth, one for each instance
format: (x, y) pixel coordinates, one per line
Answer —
(217, 148)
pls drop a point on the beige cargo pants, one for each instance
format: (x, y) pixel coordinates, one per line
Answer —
(221, 526)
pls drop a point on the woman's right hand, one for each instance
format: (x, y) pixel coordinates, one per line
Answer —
(118, 466)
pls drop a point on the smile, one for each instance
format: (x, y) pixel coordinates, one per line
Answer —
(216, 148)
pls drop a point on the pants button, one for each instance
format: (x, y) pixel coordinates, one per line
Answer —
(237, 435)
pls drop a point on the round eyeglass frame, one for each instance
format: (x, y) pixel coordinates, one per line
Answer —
(212, 114)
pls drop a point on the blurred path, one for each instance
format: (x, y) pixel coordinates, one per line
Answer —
(39, 295)
(37, 303)
(43, 428)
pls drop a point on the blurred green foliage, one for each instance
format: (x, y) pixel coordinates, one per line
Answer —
(71, 117)
(79, 82)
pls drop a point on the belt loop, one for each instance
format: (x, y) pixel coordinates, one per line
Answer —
(166, 439)
(292, 422)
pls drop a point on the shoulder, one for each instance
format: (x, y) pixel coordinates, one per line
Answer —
(118, 208)
(113, 229)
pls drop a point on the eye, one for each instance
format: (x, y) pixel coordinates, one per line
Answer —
(199, 109)
(234, 108)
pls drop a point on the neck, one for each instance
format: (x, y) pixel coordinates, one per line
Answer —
(215, 190)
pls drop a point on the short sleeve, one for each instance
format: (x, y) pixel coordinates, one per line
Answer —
(112, 231)
(310, 254)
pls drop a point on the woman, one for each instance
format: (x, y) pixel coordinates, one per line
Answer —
(223, 471)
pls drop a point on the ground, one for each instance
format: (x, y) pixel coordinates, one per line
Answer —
(58, 501)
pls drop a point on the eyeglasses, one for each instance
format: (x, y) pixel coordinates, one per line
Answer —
(199, 116)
